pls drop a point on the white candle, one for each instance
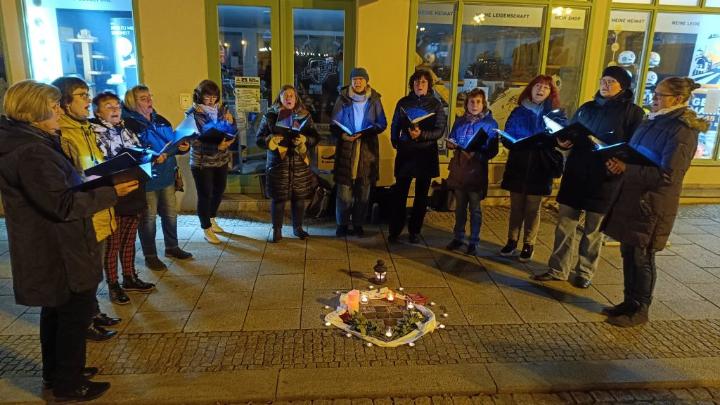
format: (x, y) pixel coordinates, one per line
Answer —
(364, 299)
(390, 296)
(389, 332)
(432, 304)
(411, 344)
(348, 334)
(445, 315)
(327, 324)
(368, 344)
(371, 286)
(441, 326)
(410, 305)
(401, 289)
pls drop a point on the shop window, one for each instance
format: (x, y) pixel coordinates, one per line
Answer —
(318, 39)
(678, 2)
(500, 52)
(92, 40)
(245, 67)
(689, 45)
(433, 46)
(626, 42)
(633, 1)
(568, 30)
(712, 3)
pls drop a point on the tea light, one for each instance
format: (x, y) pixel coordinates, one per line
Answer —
(389, 332)
(390, 296)
(368, 344)
(348, 334)
(364, 299)
(432, 303)
(372, 287)
(411, 344)
(445, 315)
(327, 324)
(441, 326)
(327, 307)
(337, 292)
(410, 305)
(401, 289)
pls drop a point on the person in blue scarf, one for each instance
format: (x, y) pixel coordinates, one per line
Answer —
(474, 142)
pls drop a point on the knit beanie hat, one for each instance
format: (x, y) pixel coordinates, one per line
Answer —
(359, 72)
(619, 74)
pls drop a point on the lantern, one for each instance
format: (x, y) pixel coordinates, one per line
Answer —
(380, 272)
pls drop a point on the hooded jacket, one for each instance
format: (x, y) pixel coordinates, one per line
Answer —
(206, 154)
(645, 209)
(53, 248)
(80, 144)
(288, 177)
(364, 152)
(418, 157)
(586, 184)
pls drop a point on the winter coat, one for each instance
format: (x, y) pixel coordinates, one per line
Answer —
(469, 169)
(586, 183)
(531, 171)
(368, 167)
(418, 157)
(288, 178)
(53, 248)
(111, 139)
(154, 134)
(80, 145)
(206, 154)
(646, 206)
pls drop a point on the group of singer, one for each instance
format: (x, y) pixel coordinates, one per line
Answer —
(63, 236)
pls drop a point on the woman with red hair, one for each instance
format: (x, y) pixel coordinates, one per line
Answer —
(529, 172)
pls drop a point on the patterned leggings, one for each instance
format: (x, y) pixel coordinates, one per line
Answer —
(122, 243)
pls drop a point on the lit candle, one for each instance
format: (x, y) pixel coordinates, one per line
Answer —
(441, 326)
(364, 299)
(389, 332)
(390, 296)
(353, 301)
(348, 334)
(432, 303)
(411, 344)
(327, 324)
(445, 315)
(371, 286)
(401, 289)
(410, 305)
(368, 344)
(327, 307)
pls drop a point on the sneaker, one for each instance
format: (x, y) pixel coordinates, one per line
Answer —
(211, 237)
(276, 235)
(98, 333)
(358, 231)
(117, 294)
(215, 227)
(133, 283)
(454, 244)
(471, 249)
(509, 248)
(526, 254)
(178, 253)
(414, 238)
(341, 231)
(86, 391)
(300, 233)
(154, 263)
(102, 319)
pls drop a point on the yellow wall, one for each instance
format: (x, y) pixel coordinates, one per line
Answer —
(382, 38)
(14, 52)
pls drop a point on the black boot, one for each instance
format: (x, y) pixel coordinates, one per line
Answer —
(631, 319)
(300, 233)
(102, 319)
(133, 283)
(117, 294)
(98, 333)
(619, 309)
(276, 235)
(87, 373)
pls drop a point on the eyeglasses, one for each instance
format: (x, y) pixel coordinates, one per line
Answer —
(608, 82)
(657, 95)
(211, 97)
(112, 107)
(84, 95)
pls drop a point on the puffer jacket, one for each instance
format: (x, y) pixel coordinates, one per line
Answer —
(418, 157)
(206, 154)
(531, 171)
(288, 178)
(154, 134)
(111, 139)
(469, 168)
(374, 122)
(586, 184)
(53, 248)
(79, 143)
(646, 206)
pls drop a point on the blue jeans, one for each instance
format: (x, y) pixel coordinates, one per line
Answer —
(162, 201)
(562, 259)
(467, 201)
(352, 199)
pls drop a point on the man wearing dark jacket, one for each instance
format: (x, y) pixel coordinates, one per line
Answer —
(358, 119)
(587, 186)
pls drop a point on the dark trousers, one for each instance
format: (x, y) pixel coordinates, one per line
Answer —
(417, 215)
(62, 338)
(210, 183)
(277, 211)
(639, 273)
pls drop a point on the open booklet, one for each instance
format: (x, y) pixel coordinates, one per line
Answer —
(120, 169)
(415, 115)
(349, 131)
(468, 143)
(573, 132)
(541, 139)
(217, 131)
(627, 154)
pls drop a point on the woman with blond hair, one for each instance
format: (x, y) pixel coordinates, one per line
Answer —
(55, 258)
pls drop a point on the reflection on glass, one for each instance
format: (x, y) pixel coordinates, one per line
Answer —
(433, 46)
(3, 77)
(689, 45)
(95, 42)
(626, 42)
(565, 53)
(319, 37)
(500, 52)
(712, 3)
(245, 65)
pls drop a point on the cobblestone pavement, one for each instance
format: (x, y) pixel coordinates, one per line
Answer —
(248, 304)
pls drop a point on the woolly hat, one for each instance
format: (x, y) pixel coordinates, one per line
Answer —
(359, 72)
(619, 74)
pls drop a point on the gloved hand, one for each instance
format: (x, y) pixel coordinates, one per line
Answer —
(299, 140)
(274, 142)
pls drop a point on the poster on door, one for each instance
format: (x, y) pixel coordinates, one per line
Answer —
(247, 94)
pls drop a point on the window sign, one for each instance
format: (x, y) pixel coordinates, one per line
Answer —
(92, 40)
(689, 45)
(625, 45)
(565, 57)
(503, 16)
